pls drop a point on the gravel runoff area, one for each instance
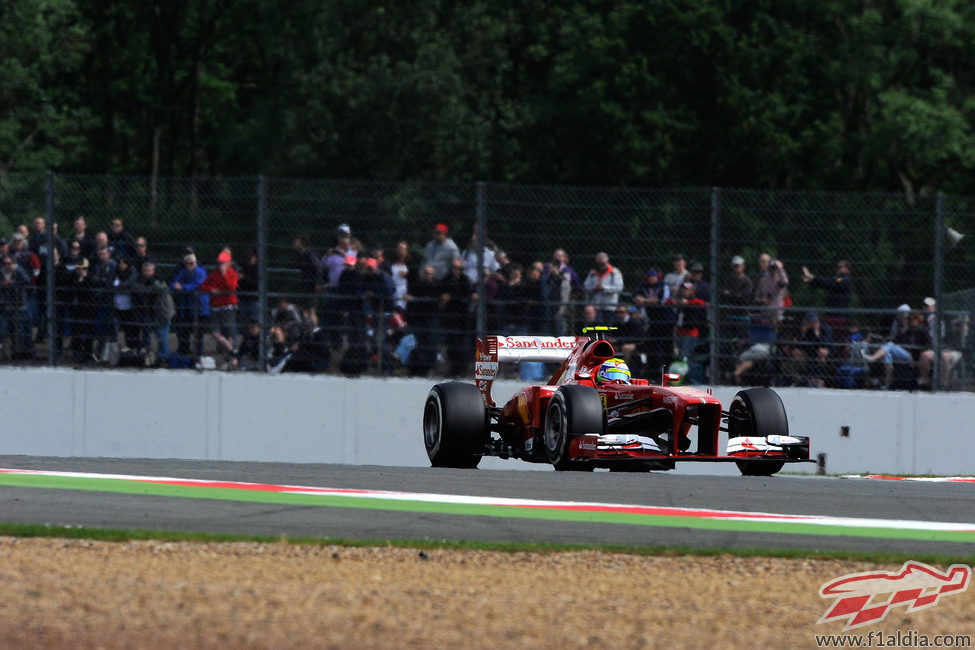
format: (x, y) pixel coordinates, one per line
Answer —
(80, 593)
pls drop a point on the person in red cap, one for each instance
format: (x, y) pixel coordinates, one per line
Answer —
(440, 252)
(221, 283)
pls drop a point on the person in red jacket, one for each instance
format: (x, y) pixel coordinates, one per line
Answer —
(221, 283)
(690, 320)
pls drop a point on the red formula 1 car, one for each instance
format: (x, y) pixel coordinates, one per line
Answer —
(591, 414)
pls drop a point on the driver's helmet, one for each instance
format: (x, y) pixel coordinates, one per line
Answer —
(613, 370)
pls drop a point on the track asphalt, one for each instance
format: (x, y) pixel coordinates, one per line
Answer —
(87, 502)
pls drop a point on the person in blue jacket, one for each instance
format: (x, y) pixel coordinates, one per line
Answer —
(192, 306)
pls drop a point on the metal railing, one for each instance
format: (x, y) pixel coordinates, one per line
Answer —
(899, 252)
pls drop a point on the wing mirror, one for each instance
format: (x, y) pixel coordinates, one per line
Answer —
(671, 379)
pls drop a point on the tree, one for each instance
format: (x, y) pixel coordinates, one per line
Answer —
(42, 45)
(837, 95)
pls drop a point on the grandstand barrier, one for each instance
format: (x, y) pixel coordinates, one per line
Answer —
(370, 421)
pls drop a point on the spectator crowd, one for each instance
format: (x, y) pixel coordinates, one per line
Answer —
(358, 310)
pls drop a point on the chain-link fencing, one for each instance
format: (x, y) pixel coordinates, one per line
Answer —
(734, 286)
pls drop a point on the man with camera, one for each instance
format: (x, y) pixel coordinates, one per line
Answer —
(771, 285)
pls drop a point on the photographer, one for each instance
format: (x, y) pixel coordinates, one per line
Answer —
(771, 285)
(839, 295)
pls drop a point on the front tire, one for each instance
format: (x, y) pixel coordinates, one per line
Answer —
(573, 410)
(454, 425)
(757, 412)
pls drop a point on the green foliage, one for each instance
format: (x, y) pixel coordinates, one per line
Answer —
(21, 199)
(42, 46)
(835, 95)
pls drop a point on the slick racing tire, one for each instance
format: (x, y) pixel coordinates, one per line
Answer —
(573, 410)
(757, 412)
(454, 425)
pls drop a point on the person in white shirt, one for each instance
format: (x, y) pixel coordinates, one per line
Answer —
(678, 276)
(469, 257)
(399, 270)
(603, 284)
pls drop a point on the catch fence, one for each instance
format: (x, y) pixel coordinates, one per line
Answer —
(899, 251)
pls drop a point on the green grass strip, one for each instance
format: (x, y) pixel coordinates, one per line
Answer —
(128, 535)
(121, 486)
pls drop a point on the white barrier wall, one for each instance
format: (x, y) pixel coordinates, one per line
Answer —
(325, 419)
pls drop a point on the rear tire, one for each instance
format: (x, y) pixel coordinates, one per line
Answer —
(761, 413)
(573, 410)
(454, 425)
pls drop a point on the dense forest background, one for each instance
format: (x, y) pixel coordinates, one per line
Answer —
(838, 94)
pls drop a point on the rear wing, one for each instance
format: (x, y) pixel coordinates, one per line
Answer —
(494, 349)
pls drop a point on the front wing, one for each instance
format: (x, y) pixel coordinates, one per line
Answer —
(616, 447)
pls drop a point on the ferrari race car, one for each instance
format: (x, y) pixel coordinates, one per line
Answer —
(591, 414)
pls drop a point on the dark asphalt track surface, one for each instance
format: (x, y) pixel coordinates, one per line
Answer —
(950, 502)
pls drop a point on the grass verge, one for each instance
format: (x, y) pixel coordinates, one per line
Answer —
(121, 535)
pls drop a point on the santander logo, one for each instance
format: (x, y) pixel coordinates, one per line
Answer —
(536, 343)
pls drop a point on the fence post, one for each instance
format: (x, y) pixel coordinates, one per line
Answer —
(939, 252)
(49, 268)
(262, 268)
(713, 312)
(480, 214)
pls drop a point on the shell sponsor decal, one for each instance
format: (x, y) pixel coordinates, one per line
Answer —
(523, 407)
